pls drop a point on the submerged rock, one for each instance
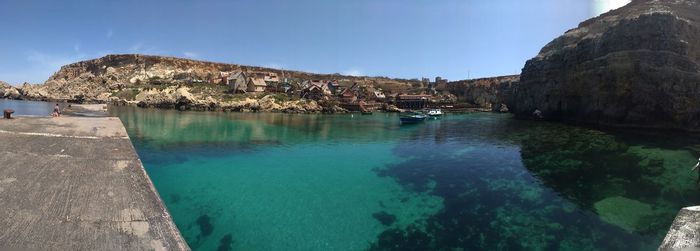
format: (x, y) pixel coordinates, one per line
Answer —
(385, 218)
(623, 212)
(205, 226)
(638, 65)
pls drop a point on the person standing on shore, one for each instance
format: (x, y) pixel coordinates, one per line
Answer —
(56, 111)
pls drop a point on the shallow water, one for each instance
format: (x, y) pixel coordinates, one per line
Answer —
(238, 181)
(30, 108)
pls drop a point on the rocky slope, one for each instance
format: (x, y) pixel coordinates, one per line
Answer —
(635, 66)
(493, 93)
(167, 82)
(8, 91)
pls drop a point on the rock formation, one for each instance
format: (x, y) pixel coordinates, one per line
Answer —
(493, 93)
(635, 66)
(8, 91)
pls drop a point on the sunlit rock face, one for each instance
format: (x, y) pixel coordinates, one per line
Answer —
(637, 65)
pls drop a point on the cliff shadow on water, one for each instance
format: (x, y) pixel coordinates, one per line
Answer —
(527, 185)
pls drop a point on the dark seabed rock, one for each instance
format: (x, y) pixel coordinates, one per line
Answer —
(205, 225)
(174, 198)
(546, 187)
(225, 243)
(409, 240)
(385, 218)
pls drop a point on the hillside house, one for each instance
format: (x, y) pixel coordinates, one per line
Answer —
(256, 85)
(350, 95)
(315, 91)
(414, 102)
(237, 82)
(271, 78)
(333, 86)
(378, 95)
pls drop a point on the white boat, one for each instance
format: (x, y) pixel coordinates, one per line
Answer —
(434, 113)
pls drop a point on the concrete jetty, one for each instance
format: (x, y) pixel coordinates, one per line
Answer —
(685, 231)
(76, 183)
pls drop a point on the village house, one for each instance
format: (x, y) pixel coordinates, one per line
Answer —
(256, 85)
(378, 95)
(273, 82)
(237, 82)
(333, 87)
(305, 84)
(413, 102)
(271, 78)
(350, 95)
(315, 91)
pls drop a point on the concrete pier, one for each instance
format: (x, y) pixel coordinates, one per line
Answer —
(685, 231)
(76, 183)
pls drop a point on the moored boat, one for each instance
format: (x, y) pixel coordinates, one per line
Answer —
(412, 118)
(434, 113)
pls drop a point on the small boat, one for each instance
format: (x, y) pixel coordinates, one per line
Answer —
(366, 112)
(435, 113)
(412, 118)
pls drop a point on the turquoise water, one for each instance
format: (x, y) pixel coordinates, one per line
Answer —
(242, 181)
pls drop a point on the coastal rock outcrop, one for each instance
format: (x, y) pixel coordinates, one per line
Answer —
(635, 66)
(492, 93)
(8, 91)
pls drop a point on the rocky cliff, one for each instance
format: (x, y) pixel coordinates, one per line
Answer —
(8, 91)
(634, 66)
(493, 93)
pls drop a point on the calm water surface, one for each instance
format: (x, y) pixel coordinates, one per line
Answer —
(31, 108)
(465, 182)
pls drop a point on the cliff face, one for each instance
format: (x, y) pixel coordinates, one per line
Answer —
(637, 65)
(492, 93)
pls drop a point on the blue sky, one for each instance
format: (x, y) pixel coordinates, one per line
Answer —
(395, 38)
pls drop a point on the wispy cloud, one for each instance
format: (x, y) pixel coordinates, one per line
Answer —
(189, 54)
(353, 72)
(109, 34)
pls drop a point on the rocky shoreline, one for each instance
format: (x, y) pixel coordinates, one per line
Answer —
(184, 84)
